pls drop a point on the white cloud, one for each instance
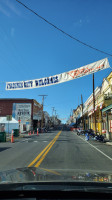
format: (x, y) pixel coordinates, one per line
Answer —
(4, 11)
(12, 7)
(8, 8)
(81, 22)
(12, 32)
(78, 23)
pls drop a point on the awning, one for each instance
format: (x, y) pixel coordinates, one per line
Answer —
(72, 124)
(107, 108)
(3, 120)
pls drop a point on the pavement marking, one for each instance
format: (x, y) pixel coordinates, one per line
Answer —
(47, 147)
(33, 162)
(46, 152)
(97, 149)
(51, 171)
(26, 140)
(35, 141)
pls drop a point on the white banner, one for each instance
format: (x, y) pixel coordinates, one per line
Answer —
(59, 78)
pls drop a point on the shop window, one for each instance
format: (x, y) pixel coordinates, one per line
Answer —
(103, 125)
(24, 127)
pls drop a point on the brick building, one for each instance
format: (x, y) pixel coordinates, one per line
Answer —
(23, 110)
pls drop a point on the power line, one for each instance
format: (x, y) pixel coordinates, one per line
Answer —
(72, 37)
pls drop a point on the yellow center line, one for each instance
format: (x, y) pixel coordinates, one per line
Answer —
(51, 171)
(35, 160)
(42, 158)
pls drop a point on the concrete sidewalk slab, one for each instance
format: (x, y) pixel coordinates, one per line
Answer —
(15, 138)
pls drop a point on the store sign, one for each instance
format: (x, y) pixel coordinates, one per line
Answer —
(108, 100)
(38, 116)
(27, 123)
(22, 111)
(59, 78)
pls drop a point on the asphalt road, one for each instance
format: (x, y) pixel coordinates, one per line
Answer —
(58, 150)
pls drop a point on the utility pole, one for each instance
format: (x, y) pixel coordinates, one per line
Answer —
(52, 114)
(94, 114)
(71, 115)
(52, 111)
(82, 111)
(55, 112)
(42, 118)
(55, 117)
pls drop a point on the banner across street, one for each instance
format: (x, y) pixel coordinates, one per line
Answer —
(59, 78)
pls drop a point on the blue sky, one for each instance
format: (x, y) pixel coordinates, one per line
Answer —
(32, 49)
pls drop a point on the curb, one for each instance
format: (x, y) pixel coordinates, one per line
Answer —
(17, 138)
(9, 139)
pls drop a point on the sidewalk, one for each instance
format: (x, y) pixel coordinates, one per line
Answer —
(8, 138)
(106, 142)
(22, 135)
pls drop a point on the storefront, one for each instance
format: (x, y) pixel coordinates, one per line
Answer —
(37, 120)
(24, 111)
(107, 120)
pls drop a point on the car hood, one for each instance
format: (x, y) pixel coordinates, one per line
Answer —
(32, 174)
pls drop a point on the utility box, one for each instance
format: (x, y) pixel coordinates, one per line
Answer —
(2, 136)
(16, 132)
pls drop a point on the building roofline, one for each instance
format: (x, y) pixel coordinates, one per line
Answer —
(15, 99)
(20, 99)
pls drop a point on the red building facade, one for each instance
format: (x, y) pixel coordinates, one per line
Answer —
(23, 110)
